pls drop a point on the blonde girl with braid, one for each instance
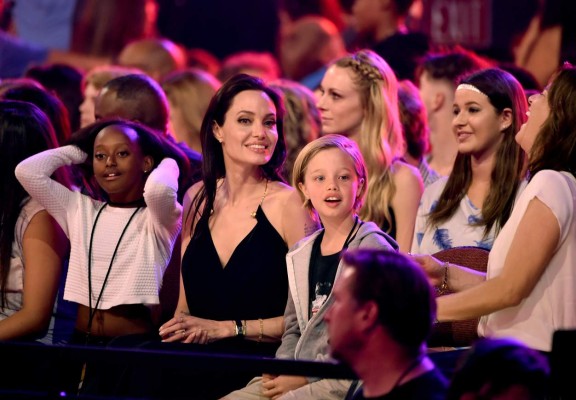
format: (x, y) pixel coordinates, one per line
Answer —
(358, 98)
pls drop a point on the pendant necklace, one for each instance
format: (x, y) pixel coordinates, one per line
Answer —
(253, 213)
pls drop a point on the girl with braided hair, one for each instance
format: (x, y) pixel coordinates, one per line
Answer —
(358, 98)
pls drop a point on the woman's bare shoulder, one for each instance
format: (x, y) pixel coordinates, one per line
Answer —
(404, 173)
(288, 214)
(280, 187)
(194, 189)
(188, 201)
(191, 193)
(283, 194)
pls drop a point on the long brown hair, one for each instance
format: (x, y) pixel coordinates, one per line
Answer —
(24, 131)
(213, 167)
(555, 144)
(503, 91)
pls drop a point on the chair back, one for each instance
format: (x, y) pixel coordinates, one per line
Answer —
(459, 333)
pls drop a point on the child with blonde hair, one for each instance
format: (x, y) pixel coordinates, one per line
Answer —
(331, 179)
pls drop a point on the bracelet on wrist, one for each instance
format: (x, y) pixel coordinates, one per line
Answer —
(443, 288)
(240, 329)
(261, 334)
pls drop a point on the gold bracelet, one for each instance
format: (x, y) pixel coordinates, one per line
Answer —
(443, 289)
(261, 330)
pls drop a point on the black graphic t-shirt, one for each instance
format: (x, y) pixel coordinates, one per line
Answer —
(321, 275)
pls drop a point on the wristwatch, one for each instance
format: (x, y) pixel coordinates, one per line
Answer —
(239, 329)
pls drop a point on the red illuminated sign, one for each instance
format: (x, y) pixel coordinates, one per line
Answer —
(465, 22)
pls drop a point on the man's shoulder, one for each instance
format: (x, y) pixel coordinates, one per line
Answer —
(429, 386)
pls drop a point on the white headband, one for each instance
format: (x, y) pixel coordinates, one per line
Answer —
(470, 87)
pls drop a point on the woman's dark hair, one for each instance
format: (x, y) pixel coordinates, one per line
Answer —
(152, 143)
(414, 119)
(503, 91)
(555, 144)
(24, 131)
(212, 155)
(65, 81)
(49, 103)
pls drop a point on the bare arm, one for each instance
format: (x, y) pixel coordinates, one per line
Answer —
(530, 252)
(405, 203)
(187, 228)
(44, 248)
(459, 278)
(190, 329)
(296, 220)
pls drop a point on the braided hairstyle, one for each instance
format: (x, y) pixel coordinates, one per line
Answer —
(380, 140)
